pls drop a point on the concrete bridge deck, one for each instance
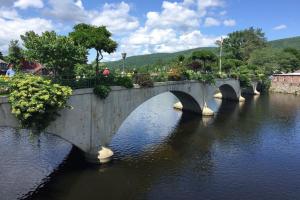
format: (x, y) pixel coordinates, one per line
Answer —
(93, 122)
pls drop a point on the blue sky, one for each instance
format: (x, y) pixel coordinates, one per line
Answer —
(149, 26)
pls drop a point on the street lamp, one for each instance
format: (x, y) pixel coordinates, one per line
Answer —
(123, 57)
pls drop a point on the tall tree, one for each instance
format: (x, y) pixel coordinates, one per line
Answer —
(93, 37)
(59, 54)
(15, 54)
(206, 57)
(240, 44)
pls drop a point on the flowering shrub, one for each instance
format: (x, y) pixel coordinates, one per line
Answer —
(36, 101)
(4, 86)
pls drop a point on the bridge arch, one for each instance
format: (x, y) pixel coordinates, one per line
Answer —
(93, 122)
(228, 92)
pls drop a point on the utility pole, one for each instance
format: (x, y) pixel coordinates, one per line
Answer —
(123, 57)
(221, 48)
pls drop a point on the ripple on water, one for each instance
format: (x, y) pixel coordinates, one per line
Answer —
(26, 160)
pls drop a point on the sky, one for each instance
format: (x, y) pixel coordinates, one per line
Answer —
(151, 26)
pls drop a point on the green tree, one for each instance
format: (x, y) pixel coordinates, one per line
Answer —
(288, 62)
(1, 56)
(265, 59)
(229, 64)
(58, 54)
(240, 44)
(208, 58)
(15, 54)
(93, 37)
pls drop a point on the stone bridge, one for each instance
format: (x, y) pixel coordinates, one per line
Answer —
(92, 122)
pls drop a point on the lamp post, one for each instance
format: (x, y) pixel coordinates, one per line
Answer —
(221, 48)
(123, 57)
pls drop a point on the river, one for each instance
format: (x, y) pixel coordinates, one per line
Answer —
(247, 151)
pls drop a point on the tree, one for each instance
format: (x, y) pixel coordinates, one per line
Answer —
(58, 54)
(288, 62)
(240, 44)
(1, 56)
(231, 64)
(265, 59)
(15, 54)
(180, 58)
(93, 37)
(206, 57)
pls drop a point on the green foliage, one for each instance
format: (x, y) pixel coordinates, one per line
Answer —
(155, 60)
(36, 101)
(1, 56)
(240, 44)
(85, 70)
(202, 77)
(4, 85)
(293, 42)
(124, 81)
(208, 58)
(180, 58)
(93, 37)
(102, 91)
(58, 54)
(160, 77)
(15, 54)
(175, 74)
(144, 80)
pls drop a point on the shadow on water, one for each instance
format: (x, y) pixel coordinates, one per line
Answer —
(247, 151)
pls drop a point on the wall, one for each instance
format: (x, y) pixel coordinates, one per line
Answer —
(289, 84)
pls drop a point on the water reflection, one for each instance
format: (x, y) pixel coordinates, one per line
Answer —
(248, 151)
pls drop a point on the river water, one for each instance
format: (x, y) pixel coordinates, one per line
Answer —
(247, 151)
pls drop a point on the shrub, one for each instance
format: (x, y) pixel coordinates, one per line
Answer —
(161, 77)
(36, 101)
(124, 81)
(144, 80)
(207, 78)
(102, 91)
(4, 85)
(175, 75)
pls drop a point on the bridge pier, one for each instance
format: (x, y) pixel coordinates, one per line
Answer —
(92, 123)
(104, 155)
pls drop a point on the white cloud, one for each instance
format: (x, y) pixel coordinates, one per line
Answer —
(115, 17)
(12, 26)
(280, 27)
(67, 10)
(174, 28)
(210, 21)
(204, 5)
(24, 4)
(173, 15)
(229, 22)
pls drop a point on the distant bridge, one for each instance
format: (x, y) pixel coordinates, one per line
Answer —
(94, 121)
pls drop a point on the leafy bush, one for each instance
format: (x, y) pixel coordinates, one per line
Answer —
(207, 78)
(144, 80)
(191, 75)
(221, 76)
(124, 81)
(4, 85)
(161, 77)
(36, 101)
(175, 74)
(102, 91)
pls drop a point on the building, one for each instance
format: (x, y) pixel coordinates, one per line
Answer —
(31, 67)
(286, 83)
(3, 67)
